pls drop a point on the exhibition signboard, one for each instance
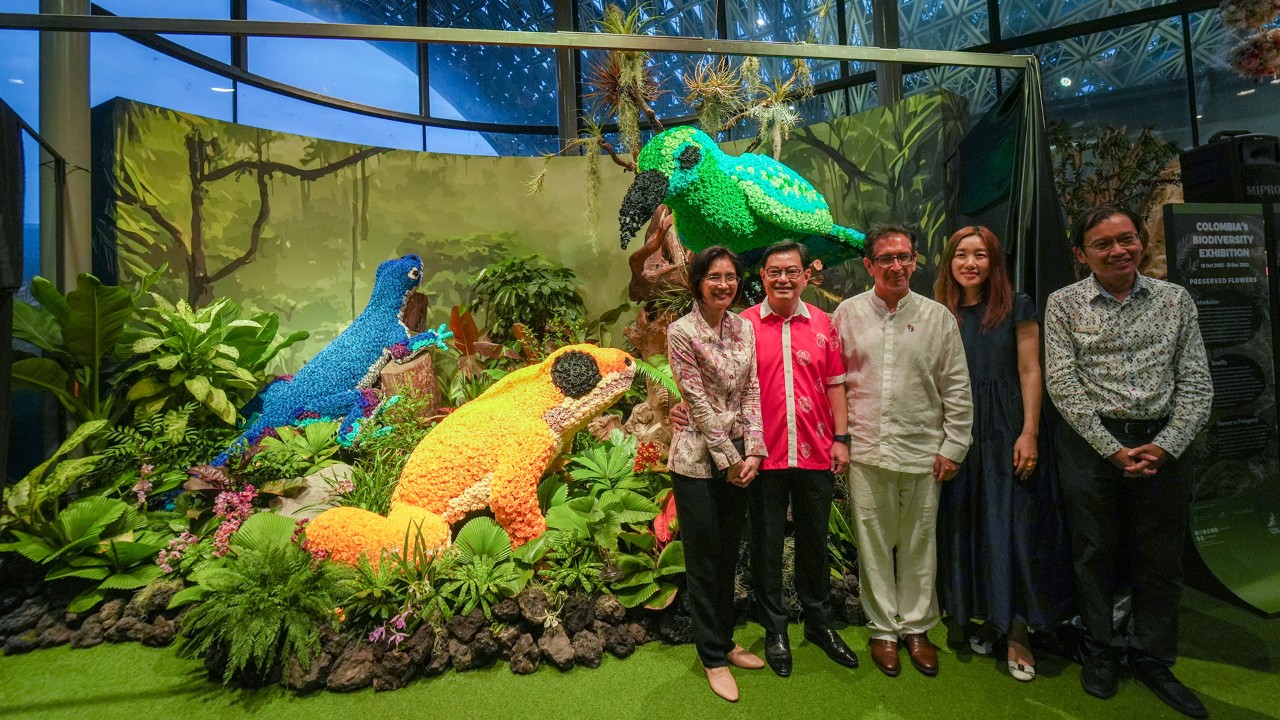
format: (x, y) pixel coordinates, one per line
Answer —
(1219, 253)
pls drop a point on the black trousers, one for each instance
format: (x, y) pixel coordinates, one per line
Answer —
(712, 513)
(1125, 530)
(808, 493)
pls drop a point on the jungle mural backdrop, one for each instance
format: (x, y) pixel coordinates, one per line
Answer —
(295, 225)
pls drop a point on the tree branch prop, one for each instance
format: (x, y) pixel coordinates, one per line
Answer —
(622, 162)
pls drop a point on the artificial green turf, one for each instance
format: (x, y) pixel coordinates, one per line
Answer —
(1229, 655)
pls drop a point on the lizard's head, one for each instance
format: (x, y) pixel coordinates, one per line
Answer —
(399, 277)
(666, 166)
(587, 380)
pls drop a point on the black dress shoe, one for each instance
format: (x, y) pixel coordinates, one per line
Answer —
(833, 645)
(777, 652)
(1100, 677)
(1168, 688)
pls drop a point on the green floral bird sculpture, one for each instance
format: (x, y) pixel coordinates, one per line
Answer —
(745, 203)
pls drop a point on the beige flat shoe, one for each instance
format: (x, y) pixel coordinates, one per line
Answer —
(741, 657)
(722, 683)
(1022, 672)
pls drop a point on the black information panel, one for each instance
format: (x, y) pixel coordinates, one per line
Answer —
(1219, 253)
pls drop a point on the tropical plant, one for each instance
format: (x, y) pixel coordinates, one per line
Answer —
(841, 542)
(265, 604)
(471, 373)
(714, 89)
(1104, 164)
(647, 576)
(402, 421)
(529, 291)
(94, 538)
(80, 337)
(607, 466)
(212, 355)
(295, 452)
(485, 571)
(375, 591)
(572, 564)
(604, 518)
(166, 445)
(28, 500)
(372, 483)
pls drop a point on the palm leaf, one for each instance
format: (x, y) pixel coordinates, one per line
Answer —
(482, 537)
(262, 532)
(81, 524)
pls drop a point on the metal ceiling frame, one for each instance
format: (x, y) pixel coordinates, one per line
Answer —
(460, 36)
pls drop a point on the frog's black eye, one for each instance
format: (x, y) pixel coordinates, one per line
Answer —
(689, 157)
(414, 273)
(575, 373)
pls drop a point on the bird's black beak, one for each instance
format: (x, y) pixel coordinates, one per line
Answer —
(645, 195)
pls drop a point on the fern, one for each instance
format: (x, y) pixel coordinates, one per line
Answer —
(658, 370)
(264, 607)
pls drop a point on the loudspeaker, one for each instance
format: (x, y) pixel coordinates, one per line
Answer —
(1235, 166)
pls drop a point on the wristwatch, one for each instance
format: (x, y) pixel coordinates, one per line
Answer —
(840, 438)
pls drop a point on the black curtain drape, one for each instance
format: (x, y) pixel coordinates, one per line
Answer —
(11, 189)
(1006, 184)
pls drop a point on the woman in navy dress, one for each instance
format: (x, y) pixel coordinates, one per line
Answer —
(1003, 554)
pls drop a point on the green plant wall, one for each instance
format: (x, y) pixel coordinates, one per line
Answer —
(296, 225)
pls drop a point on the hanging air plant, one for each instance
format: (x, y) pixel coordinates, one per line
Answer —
(623, 81)
(714, 90)
(775, 116)
(592, 212)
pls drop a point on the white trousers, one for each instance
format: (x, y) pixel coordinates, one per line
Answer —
(895, 511)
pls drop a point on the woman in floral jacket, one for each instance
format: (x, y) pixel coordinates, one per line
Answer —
(713, 357)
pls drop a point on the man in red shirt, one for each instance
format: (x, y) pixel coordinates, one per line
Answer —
(801, 371)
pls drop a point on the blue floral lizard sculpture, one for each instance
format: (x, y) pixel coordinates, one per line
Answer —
(338, 381)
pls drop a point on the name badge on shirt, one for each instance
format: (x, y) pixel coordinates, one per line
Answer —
(1088, 328)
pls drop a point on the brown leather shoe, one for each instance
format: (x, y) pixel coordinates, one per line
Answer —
(923, 655)
(741, 657)
(884, 653)
(722, 683)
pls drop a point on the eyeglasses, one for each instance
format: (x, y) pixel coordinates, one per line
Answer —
(889, 260)
(718, 279)
(1127, 240)
(792, 273)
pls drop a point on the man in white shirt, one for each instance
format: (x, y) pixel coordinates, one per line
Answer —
(910, 415)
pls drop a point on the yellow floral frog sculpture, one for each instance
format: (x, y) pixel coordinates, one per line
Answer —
(491, 452)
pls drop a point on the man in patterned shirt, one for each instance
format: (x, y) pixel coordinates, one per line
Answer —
(802, 403)
(1126, 368)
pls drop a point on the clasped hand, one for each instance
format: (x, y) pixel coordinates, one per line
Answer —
(744, 471)
(740, 473)
(1141, 461)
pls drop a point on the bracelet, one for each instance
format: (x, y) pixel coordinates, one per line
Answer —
(844, 438)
